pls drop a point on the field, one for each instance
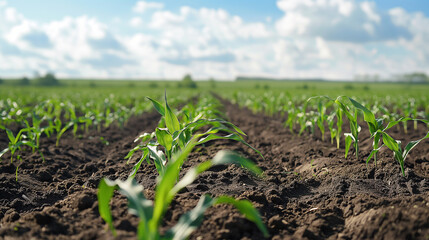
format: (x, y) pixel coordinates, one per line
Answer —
(225, 160)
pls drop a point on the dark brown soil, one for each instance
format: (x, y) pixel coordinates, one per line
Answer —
(309, 192)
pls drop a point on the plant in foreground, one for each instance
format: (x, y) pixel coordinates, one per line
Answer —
(378, 133)
(151, 213)
(400, 154)
(15, 144)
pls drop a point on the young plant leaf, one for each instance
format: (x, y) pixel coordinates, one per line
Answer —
(158, 106)
(412, 144)
(390, 142)
(368, 115)
(348, 141)
(163, 194)
(139, 163)
(158, 158)
(171, 120)
(4, 151)
(190, 221)
(393, 123)
(137, 203)
(10, 136)
(164, 138)
(105, 193)
(373, 153)
(228, 157)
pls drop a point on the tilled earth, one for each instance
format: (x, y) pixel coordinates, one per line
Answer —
(309, 190)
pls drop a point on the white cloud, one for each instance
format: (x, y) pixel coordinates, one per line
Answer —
(324, 51)
(214, 22)
(337, 20)
(417, 24)
(165, 19)
(143, 6)
(314, 38)
(136, 22)
(369, 9)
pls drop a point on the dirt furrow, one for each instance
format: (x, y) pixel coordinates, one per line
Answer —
(309, 190)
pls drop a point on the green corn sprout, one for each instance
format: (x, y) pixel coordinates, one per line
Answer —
(151, 213)
(321, 118)
(378, 132)
(400, 154)
(175, 137)
(332, 129)
(352, 137)
(374, 125)
(15, 144)
(339, 114)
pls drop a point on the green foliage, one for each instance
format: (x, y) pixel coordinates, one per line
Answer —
(23, 81)
(153, 84)
(168, 147)
(16, 142)
(48, 80)
(349, 86)
(151, 213)
(187, 82)
(416, 77)
(399, 153)
(174, 136)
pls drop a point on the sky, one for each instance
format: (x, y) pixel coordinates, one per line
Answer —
(222, 39)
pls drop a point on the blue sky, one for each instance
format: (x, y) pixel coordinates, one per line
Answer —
(338, 39)
(251, 10)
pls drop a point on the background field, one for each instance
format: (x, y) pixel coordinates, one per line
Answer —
(306, 88)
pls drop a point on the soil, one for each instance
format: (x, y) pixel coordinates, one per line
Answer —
(310, 191)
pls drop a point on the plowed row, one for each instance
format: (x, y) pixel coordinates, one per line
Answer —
(309, 190)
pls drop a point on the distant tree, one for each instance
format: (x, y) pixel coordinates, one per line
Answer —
(153, 84)
(24, 81)
(1, 81)
(187, 82)
(212, 83)
(48, 80)
(349, 86)
(416, 77)
(266, 86)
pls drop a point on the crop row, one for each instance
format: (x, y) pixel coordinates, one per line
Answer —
(330, 115)
(168, 148)
(26, 119)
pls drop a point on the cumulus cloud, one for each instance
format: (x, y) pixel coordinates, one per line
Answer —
(136, 22)
(313, 38)
(337, 20)
(27, 35)
(215, 22)
(417, 24)
(81, 38)
(143, 6)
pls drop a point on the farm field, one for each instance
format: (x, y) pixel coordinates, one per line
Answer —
(74, 139)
